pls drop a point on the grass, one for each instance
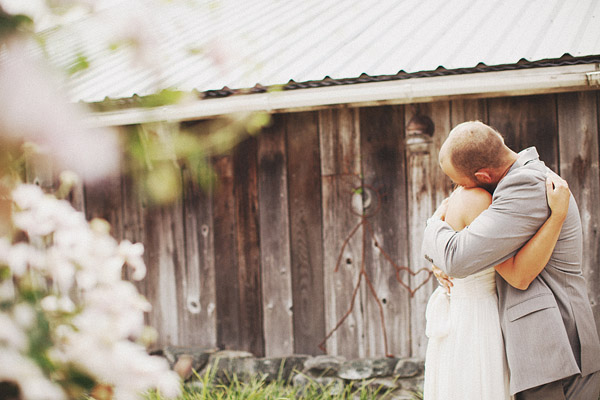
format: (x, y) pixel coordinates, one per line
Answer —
(206, 388)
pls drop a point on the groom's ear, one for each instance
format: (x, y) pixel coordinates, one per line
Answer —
(484, 175)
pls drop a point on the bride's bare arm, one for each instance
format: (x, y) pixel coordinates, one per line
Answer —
(520, 270)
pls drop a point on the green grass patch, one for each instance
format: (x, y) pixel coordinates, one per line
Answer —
(205, 387)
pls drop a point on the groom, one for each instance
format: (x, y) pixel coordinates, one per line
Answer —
(551, 341)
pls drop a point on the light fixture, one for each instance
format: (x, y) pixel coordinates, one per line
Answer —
(419, 131)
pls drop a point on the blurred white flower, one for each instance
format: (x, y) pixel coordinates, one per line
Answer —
(65, 304)
(52, 304)
(168, 384)
(40, 388)
(49, 303)
(133, 255)
(33, 223)
(144, 370)
(24, 315)
(18, 258)
(31, 7)
(113, 311)
(75, 267)
(27, 196)
(79, 269)
(100, 226)
(11, 334)
(5, 247)
(7, 290)
(32, 383)
(85, 279)
(61, 270)
(47, 14)
(41, 215)
(35, 108)
(62, 333)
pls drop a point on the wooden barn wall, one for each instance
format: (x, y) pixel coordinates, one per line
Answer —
(313, 230)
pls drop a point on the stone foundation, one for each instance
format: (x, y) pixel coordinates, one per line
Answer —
(402, 375)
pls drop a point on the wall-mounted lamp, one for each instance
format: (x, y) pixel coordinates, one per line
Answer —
(419, 131)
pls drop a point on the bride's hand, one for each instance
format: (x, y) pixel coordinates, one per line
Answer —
(441, 210)
(442, 278)
(558, 194)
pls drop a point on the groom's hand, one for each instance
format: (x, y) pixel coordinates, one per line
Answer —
(442, 278)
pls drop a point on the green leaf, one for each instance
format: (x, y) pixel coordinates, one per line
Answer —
(163, 183)
(257, 121)
(10, 24)
(5, 273)
(80, 63)
(40, 341)
(163, 98)
(196, 51)
(80, 378)
(275, 88)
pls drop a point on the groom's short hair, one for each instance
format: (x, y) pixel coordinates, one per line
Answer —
(473, 145)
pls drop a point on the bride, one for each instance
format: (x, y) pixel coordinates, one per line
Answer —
(465, 356)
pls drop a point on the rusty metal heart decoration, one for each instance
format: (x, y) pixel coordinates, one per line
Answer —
(413, 273)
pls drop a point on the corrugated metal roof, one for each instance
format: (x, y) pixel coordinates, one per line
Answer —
(205, 46)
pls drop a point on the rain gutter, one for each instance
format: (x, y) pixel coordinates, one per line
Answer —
(405, 91)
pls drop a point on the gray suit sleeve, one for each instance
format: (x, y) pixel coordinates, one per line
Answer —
(519, 208)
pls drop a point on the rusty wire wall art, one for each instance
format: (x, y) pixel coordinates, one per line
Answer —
(363, 197)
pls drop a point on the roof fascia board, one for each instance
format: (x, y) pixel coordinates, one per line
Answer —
(415, 90)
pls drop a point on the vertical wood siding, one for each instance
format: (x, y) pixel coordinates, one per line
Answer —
(250, 318)
(199, 288)
(578, 120)
(276, 270)
(340, 168)
(528, 121)
(268, 260)
(306, 230)
(164, 289)
(384, 180)
(226, 276)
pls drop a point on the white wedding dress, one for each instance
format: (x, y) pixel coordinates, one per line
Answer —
(465, 357)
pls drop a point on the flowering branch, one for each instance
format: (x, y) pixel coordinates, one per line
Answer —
(70, 323)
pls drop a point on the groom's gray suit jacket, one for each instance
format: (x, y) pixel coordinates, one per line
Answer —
(549, 330)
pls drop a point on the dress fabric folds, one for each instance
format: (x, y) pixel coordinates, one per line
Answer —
(465, 357)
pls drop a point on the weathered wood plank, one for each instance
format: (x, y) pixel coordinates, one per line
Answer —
(104, 200)
(199, 324)
(340, 168)
(383, 165)
(527, 121)
(165, 257)
(133, 214)
(225, 250)
(306, 240)
(579, 165)
(248, 247)
(427, 187)
(276, 270)
(132, 224)
(468, 110)
(440, 115)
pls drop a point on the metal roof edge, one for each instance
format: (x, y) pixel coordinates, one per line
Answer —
(416, 90)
